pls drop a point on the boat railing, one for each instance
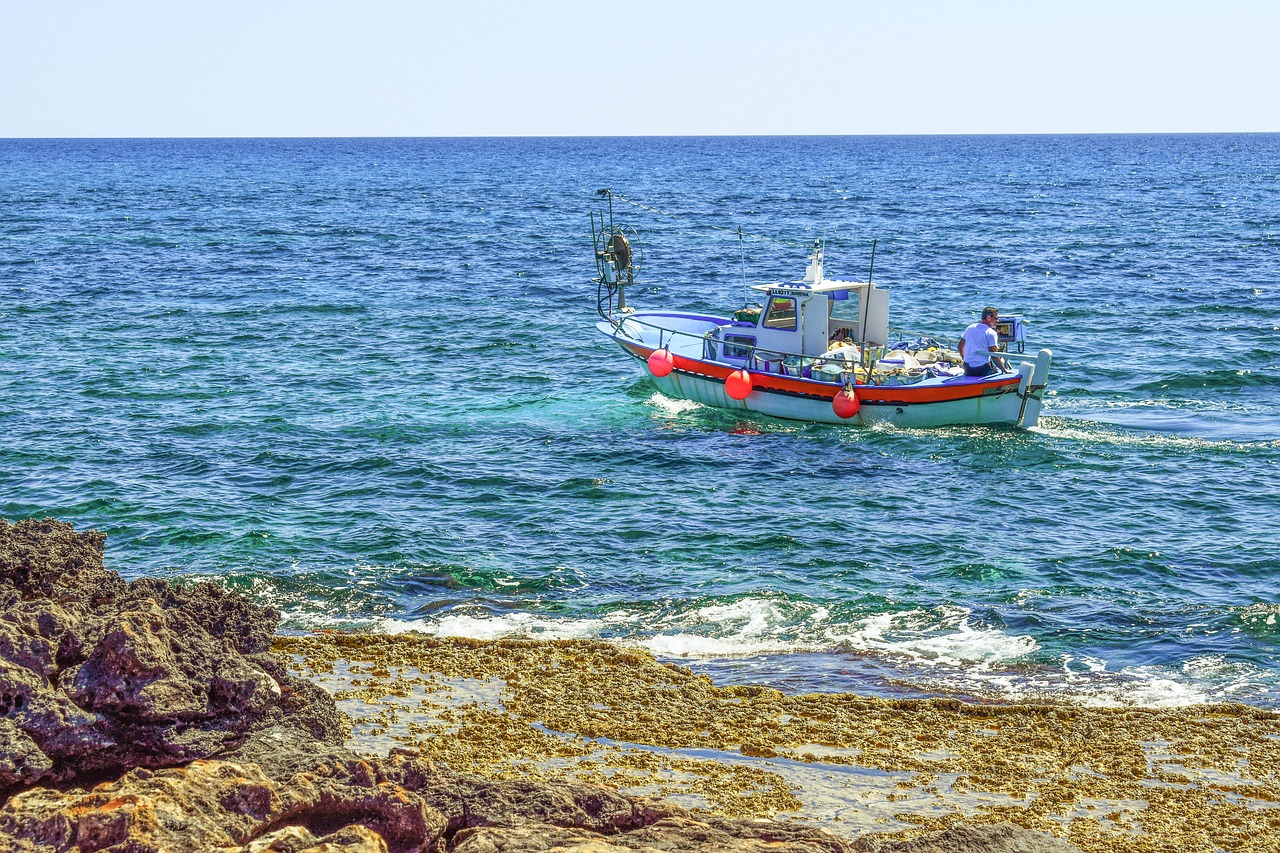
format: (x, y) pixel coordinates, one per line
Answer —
(951, 344)
(705, 340)
(929, 340)
(864, 364)
(941, 342)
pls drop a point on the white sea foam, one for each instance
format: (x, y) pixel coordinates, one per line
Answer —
(495, 627)
(1089, 682)
(1260, 614)
(756, 626)
(937, 650)
(935, 637)
(752, 617)
(747, 626)
(1144, 687)
(670, 406)
(701, 647)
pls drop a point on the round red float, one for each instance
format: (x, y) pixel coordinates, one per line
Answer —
(738, 385)
(661, 362)
(845, 404)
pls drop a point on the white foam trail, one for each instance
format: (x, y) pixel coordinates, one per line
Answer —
(1086, 432)
(1260, 614)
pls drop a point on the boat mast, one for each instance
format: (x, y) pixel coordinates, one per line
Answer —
(614, 257)
(865, 310)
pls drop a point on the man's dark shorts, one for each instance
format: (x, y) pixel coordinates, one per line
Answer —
(981, 370)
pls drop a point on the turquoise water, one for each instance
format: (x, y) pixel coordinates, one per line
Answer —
(359, 381)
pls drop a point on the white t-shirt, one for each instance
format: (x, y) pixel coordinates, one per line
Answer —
(978, 341)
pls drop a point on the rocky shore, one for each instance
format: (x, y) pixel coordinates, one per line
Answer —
(149, 716)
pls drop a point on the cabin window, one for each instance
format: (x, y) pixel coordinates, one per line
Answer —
(738, 346)
(844, 306)
(781, 313)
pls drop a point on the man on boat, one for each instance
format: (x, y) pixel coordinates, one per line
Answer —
(978, 342)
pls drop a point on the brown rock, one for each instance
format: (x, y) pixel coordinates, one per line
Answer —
(212, 804)
(178, 809)
(296, 839)
(98, 676)
(49, 560)
(534, 838)
(519, 816)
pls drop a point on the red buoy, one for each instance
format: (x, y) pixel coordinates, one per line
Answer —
(738, 384)
(845, 404)
(661, 362)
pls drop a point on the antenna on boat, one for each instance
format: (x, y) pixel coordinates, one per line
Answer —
(813, 271)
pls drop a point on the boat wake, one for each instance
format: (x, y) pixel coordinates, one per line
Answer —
(1139, 426)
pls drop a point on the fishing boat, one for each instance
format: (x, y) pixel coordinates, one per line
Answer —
(814, 349)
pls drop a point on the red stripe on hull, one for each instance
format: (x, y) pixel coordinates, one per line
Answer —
(887, 395)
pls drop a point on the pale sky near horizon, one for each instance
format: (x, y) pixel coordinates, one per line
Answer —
(140, 68)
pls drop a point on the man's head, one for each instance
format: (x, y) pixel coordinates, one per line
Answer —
(990, 315)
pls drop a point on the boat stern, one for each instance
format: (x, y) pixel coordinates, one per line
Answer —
(1033, 378)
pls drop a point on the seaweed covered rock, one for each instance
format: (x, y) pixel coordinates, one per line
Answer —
(98, 675)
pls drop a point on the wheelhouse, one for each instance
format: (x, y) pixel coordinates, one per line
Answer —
(803, 317)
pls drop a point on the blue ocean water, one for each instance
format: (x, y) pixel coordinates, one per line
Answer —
(358, 380)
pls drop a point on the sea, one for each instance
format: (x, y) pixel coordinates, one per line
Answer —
(359, 381)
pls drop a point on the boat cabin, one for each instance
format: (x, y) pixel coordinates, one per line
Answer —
(803, 318)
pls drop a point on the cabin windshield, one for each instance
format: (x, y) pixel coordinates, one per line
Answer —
(781, 314)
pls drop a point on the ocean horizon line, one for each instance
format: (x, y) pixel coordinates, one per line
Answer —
(624, 136)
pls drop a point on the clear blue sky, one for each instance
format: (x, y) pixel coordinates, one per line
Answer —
(562, 67)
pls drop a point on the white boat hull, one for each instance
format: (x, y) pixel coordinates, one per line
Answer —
(1003, 408)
